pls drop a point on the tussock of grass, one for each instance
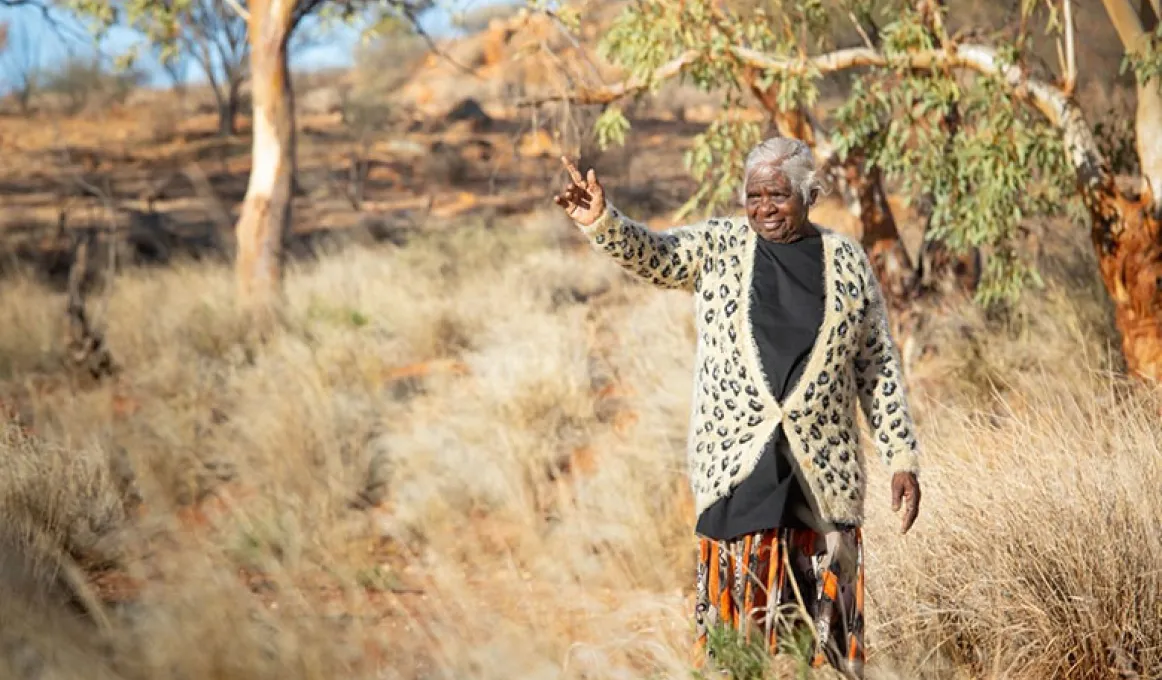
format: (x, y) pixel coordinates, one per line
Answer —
(1038, 554)
(517, 410)
(72, 495)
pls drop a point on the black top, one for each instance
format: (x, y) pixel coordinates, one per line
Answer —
(787, 300)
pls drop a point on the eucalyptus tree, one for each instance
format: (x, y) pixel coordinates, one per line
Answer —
(265, 218)
(989, 135)
(210, 33)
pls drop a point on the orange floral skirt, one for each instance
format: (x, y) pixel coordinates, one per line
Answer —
(767, 585)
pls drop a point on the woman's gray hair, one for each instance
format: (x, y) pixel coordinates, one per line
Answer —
(791, 156)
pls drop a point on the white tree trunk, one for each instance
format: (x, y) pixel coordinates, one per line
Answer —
(1135, 39)
(266, 210)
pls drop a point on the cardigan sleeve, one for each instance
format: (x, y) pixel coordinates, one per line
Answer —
(879, 380)
(669, 259)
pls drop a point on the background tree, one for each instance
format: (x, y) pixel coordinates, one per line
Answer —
(210, 33)
(977, 125)
(214, 36)
(266, 210)
(265, 217)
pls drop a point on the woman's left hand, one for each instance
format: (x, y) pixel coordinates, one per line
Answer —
(906, 486)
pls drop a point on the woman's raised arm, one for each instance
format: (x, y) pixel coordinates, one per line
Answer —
(669, 259)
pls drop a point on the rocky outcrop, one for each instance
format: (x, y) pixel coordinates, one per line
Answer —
(526, 53)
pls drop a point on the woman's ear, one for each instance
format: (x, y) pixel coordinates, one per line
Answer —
(813, 197)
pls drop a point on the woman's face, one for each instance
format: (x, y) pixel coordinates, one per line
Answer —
(776, 211)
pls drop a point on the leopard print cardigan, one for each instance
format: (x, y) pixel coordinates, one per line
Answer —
(854, 360)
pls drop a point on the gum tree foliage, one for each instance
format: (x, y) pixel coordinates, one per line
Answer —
(1003, 165)
(210, 33)
(973, 123)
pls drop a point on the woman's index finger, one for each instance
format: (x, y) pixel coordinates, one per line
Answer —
(573, 171)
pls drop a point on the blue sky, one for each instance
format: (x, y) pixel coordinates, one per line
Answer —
(333, 49)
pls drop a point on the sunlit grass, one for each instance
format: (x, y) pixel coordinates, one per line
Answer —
(518, 411)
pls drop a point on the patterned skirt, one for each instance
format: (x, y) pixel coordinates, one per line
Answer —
(772, 587)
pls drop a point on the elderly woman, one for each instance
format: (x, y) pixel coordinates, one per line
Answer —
(792, 341)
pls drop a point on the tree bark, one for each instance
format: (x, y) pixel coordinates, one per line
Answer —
(1132, 30)
(881, 236)
(1128, 242)
(266, 210)
(1126, 230)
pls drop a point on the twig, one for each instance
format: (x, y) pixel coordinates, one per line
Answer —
(564, 29)
(239, 9)
(862, 33)
(1070, 53)
(410, 15)
(934, 7)
(304, 8)
(1051, 101)
(606, 94)
(46, 14)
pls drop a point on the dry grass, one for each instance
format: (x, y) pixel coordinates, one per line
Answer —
(519, 407)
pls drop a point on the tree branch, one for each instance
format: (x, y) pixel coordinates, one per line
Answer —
(607, 94)
(1070, 52)
(303, 9)
(1053, 103)
(1127, 23)
(414, 21)
(867, 41)
(45, 9)
(1148, 117)
(238, 9)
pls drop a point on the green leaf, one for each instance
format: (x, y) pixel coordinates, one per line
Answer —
(611, 127)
